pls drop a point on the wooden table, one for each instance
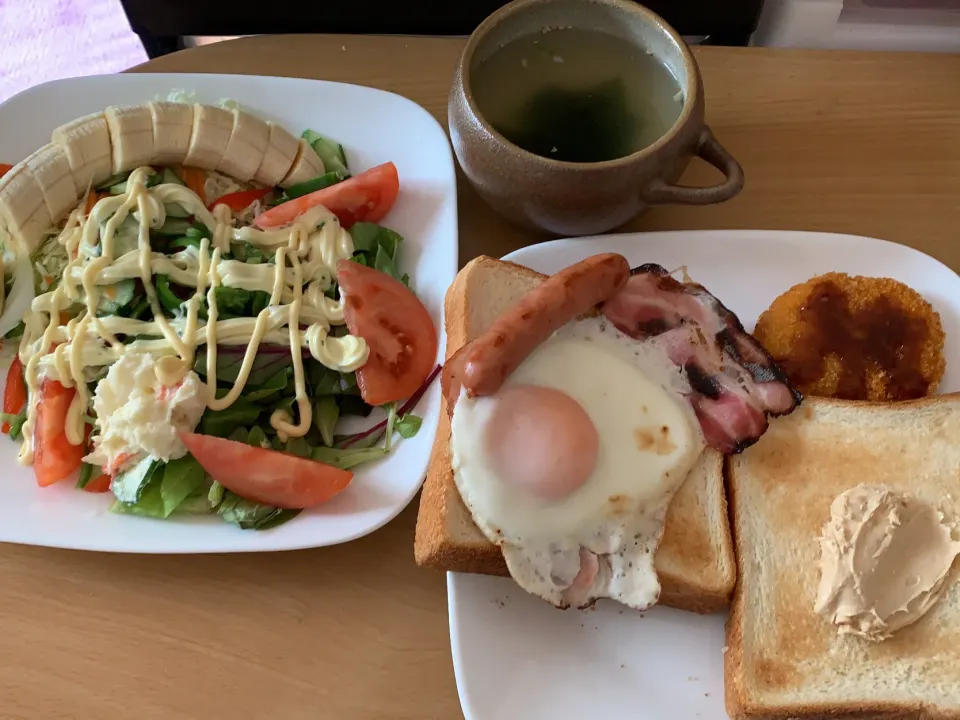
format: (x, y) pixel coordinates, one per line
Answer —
(849, 142)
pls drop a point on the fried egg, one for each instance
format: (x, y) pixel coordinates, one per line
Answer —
(570, 466)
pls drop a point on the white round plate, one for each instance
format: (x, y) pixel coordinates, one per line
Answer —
(374, 127)
(517, 657)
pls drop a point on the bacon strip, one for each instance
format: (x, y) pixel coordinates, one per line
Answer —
(735, 384)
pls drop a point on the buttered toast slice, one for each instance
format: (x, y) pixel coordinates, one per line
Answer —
(783, 659)
(695, 561)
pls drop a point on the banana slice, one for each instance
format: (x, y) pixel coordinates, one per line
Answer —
(282, 149)
(172, 128)
(246, 148)
(86, 142)
(51, 169)
(9, 236)
(131, 133)
(212, 128)
(23, 207)
(306, 166)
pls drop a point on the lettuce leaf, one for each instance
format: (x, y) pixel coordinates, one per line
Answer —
(163, 488)
(250, 515)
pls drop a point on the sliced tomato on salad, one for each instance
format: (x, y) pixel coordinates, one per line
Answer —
(366, 197)
(398, 330)
(99, 484)
(14, 392)
(266, 476)
(55, 457)
(240, 201)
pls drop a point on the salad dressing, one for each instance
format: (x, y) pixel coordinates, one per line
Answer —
(311, 246)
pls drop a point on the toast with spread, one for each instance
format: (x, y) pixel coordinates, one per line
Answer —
(695, 557)
(784, 658)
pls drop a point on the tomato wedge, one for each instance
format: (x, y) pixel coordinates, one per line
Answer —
(55, 458)
(266, 476)
(364, 197)
(99, 484)
(14, 392)
(241, 200)
(4, 169)
(398, 330)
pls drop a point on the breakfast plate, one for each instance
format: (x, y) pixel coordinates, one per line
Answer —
(514, 655)
(374, 127)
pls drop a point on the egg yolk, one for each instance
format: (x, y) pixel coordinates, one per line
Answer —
(542, 440)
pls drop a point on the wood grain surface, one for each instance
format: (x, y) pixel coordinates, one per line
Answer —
(849, 142)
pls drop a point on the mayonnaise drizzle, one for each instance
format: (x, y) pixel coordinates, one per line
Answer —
(311, 247)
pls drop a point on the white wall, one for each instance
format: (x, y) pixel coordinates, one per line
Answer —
(917, 25)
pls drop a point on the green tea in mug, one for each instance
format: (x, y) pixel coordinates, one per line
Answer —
(576, 95)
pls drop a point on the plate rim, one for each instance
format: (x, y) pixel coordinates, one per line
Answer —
(516, 256)
(131, 75)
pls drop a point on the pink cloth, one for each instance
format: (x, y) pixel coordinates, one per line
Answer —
(43, 40)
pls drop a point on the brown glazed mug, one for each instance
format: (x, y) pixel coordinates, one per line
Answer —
(571, 198)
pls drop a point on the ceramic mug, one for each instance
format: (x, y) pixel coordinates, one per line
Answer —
(572, 198)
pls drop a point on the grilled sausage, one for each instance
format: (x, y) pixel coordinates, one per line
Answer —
(483, 365)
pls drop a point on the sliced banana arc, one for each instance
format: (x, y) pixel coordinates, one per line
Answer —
(282, 149)
(23, 208)
(131, 130)
(212, 128)
(306, 166)
(86, 142)
(83, 153)
(246, 148)
(172, 130)
(51, 170)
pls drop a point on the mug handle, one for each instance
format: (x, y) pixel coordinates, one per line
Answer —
(713, 152)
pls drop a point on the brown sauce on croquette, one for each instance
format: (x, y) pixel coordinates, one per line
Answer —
(879, 336)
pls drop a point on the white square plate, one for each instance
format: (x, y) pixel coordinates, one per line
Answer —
(374, 127)
(515, 656)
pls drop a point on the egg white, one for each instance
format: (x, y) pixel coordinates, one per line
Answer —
(649, 440)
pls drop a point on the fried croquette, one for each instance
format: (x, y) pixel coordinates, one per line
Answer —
(857, 338)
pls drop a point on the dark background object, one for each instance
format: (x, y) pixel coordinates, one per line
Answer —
(163, 24)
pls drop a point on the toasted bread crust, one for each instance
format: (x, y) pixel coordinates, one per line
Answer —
(739, 694)
(433, 546)
(676, 590)
(436, 547)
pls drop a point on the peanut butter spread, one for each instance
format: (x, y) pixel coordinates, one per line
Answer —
(884, 561)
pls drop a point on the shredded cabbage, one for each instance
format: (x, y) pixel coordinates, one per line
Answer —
(246, 216)
(8, 251)
(17, 301)
(181, 95)
(217, 185)
(50, 260)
